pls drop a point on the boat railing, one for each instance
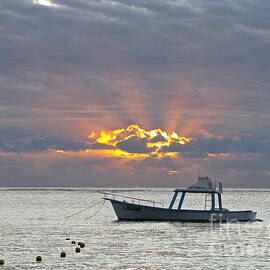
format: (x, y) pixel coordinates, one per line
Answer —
(134, 200)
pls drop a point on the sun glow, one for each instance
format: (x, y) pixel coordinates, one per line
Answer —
(60, 151)
(136, 142)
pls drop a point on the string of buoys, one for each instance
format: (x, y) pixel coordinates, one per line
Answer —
(63, 254)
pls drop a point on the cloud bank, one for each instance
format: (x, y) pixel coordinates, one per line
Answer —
(198, 67)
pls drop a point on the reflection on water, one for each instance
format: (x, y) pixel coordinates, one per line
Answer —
(33, 222)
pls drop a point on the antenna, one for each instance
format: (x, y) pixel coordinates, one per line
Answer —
(200, 163)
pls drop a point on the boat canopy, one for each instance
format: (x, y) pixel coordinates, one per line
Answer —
(203, 185)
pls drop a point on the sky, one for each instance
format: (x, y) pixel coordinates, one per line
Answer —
(134, 93)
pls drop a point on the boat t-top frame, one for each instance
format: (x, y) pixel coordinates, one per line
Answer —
(203, 186)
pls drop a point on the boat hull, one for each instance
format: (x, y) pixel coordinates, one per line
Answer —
(135, 212)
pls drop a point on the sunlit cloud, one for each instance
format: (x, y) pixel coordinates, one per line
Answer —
(47, 3)
(135, 141)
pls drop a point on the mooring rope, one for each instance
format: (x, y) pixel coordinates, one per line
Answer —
(91, 206)
(97, 210)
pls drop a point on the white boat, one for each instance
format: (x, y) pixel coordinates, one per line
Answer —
(134, 209)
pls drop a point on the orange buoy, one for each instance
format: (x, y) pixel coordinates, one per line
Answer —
(82, 245)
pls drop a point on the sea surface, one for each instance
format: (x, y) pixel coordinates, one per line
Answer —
(38, 221)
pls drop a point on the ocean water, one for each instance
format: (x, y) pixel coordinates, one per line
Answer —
(38, 221)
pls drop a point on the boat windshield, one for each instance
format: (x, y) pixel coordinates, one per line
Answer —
(196, 201)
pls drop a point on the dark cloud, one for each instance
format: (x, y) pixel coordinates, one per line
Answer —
(199, 147)
(165, 164)
(158, 138)
(100, 146)
(202, 146)
(134, 145)
(189, 40)
(52, 169)
(241, 162)
(26, 142)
